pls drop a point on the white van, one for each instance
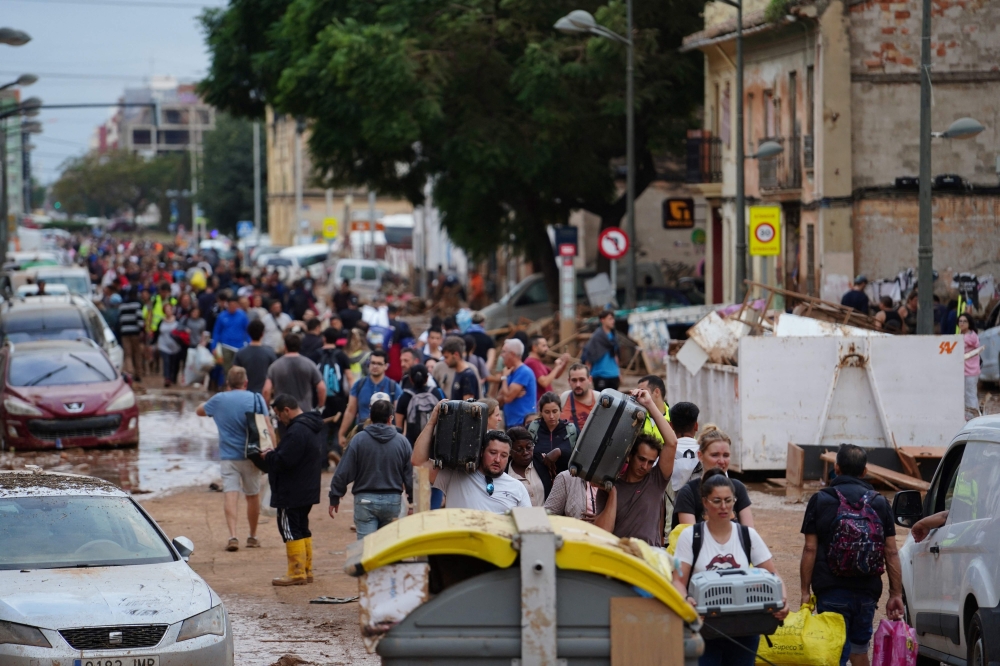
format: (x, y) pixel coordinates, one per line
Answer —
(951, 579)
(76, 279)
(307, 260)
(365, 275)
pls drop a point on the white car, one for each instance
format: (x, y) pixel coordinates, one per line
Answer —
(87, 578)
(951, 579)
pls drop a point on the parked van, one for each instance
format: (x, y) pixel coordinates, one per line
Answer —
(307, 260)
(951, 579)
(365, 275)
(76, 279)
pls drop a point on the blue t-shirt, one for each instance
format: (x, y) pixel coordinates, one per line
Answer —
(515, 410)
(229, 409)
(365, 388)
(606, 366)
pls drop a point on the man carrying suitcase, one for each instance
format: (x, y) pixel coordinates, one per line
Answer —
(634, 507)
(489, 488)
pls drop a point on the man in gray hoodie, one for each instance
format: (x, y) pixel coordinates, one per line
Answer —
(377, 461)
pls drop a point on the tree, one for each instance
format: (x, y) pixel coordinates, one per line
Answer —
(226, 194)
(104, 184)
(514, 124)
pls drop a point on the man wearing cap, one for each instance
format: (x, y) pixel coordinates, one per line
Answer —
(361, 393)
(857, 298)
(485, 344)
(377, 462)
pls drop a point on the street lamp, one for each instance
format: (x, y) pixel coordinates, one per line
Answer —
(580, 21)
(23, 80)
(14, 37)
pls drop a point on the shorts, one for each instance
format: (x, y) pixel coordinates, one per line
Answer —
(240, 476)
(858, 609)
(293, 523)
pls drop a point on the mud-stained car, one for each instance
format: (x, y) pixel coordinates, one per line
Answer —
(88, 578)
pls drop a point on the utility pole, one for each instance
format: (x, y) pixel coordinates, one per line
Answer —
(925, 244)
(299, 127)
(630, 180)
(3, 192)
(371, 221)
(256, 180)
(741, 225)
(193, 141)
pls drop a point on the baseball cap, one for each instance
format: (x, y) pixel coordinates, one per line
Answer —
(379, 396)
(478, 318)
(861, 279)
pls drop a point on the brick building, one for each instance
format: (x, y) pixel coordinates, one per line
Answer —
(836, 84)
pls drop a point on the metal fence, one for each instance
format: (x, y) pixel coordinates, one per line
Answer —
(704, 158)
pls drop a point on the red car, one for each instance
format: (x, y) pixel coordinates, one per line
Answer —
(64, 393)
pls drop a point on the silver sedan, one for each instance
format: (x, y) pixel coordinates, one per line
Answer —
(87, 578)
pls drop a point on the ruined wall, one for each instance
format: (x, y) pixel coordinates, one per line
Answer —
(965, 62)
(966, 234)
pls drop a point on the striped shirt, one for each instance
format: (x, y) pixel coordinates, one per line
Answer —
(130, 318)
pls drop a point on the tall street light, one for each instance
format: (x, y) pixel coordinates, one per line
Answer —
(14, 37)
(580, 21)
(23, 80)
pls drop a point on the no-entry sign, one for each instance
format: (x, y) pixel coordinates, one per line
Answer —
(613, 243)
(765, 231)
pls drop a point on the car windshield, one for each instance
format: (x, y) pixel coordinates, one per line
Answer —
(76, 284)
(279, 261)
(48, 334)
(76, 531)
(311, 259)
(59, 369)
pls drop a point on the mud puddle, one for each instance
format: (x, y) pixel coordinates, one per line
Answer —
(177, 448)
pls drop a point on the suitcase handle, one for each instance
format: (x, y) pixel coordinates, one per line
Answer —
(733, 572)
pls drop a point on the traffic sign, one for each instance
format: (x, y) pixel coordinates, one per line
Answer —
(765, 231)
(244, 228)
(329, 228)
(613, 243)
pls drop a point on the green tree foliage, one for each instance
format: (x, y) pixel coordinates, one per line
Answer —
(513, 123)
(105, 184)
(226, 193)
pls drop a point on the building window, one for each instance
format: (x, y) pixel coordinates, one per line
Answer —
(725, 128)
(141, 137)
(749, 127)
(811, 259)
(810, 100)
(769, 129)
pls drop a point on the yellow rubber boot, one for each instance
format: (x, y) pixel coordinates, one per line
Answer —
(296, 552)
(309, 559)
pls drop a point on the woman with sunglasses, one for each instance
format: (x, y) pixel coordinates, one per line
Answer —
(724, 546)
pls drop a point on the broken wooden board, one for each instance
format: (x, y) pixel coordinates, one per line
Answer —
(887, 476)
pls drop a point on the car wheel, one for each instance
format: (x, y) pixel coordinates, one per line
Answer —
(976, 644)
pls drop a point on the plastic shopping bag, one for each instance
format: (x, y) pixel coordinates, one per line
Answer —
(805, 639)
(895, 644)
(674, 536)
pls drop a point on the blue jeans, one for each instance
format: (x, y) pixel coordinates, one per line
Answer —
(720, 652)
(373, 511)
(858, 609)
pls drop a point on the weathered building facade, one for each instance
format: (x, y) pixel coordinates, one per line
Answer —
(836, 84)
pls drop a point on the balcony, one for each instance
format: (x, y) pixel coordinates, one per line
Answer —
(783, 171)
(704, 157)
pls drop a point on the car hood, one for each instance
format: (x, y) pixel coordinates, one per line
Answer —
(103, 596)
(53, 399)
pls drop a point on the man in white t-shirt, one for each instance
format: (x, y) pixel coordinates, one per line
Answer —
(489, 488)
(684, 419)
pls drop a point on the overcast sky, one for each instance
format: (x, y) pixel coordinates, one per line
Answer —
(88, 51)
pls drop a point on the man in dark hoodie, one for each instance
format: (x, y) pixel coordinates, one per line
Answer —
(294, 473)
(377, 461)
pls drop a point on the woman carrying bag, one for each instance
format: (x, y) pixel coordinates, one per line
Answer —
(724, 545)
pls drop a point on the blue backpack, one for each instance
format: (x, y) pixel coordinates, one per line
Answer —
(332, 376)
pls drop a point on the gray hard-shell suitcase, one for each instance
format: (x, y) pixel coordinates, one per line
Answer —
(607, 437)
(459, 435)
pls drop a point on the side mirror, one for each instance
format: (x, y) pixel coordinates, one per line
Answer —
(184, 547)
(127, 377)
(907, 508)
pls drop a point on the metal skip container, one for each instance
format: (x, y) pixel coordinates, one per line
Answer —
(878, 392)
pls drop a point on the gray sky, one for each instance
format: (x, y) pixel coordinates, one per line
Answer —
(88, 51)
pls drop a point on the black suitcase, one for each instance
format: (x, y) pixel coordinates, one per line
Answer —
(607, 437)
(459, 435)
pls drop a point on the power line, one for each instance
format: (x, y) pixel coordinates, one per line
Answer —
(128, 3)
(65, 75)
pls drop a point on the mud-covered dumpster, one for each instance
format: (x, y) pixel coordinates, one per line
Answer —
(456, 586)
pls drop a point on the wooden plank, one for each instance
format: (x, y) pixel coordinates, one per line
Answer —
(421, 489)
(644, 632)
(885, 475)
(935, 452)
(795, 462)
(909, 463)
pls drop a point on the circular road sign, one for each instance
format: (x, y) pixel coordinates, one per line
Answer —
(764, 232)
(613, 243)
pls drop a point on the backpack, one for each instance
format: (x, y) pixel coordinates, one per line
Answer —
(332, 375)
(418, 412)
(857, 545)
(571, 432)
(697, 537)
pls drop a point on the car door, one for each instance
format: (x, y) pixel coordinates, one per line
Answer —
(923, 598)
(533, 303)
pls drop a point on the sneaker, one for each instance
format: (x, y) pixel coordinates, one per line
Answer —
(233, 545)
(252, 542)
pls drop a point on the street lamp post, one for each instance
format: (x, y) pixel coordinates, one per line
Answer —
(14, 37)
(23, 80)
(580, 21)
(11, 37)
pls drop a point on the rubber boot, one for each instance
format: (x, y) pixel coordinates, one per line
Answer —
(309, 559)
(296, 552)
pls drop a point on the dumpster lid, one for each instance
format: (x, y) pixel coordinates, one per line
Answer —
(494, 538)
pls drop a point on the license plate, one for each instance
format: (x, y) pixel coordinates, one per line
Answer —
(145, 660)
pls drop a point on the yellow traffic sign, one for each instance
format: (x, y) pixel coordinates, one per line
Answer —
(765, 231)
(329, 228)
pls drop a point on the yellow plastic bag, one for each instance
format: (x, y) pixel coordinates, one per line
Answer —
(673, 536)
(805, 639)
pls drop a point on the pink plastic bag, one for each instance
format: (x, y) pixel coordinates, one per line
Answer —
(895, 644)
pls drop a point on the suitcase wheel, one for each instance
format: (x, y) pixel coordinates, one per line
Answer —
(608, 485)
(444, 409)
(574, 470)
(606, 401)
(470, 467)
